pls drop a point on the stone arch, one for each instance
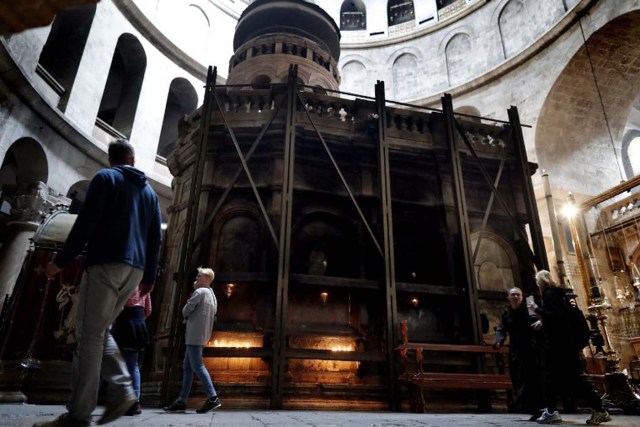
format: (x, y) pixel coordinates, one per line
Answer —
(521, 22)
(77, 193)
(195, 42)
(261, 81)
(469, 110)
(122, 89)
(405, 71)
(496, 266)
(400, 11)
(25, 162)
(354, 77)
(236, 240)
(572, 140)
(420, 249)
(457, 58)
(265, 71)
(353, 15)
(631, 150)
(61, 54)
(182, 100)
(325, 244)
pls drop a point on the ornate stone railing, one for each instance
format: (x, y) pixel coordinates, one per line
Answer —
(401, 122)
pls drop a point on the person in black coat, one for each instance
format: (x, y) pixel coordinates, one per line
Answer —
(524, 352)
(562, 367)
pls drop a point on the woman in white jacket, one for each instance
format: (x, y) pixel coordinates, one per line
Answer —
(199, 313)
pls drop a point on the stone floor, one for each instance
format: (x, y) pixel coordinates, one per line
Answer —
(22, 415)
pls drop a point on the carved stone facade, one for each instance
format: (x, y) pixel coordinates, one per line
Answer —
(314, 269)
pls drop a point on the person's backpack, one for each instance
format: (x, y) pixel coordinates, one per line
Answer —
(577, 325)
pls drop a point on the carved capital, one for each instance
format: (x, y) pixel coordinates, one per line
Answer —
(32, 202)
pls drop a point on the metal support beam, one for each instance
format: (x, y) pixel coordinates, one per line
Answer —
(186, 249)
(245, 168)
(469, 278)
(540, 254)
(237, 174)
(342, 179)
(279, 364)
(387, 230)
(487, 212)
(507, 209)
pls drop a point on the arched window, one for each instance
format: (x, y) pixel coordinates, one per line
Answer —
(24, 163)
(122, 90)
(444, 3)
(325, 245)
(457, 57)
(196, 41)
(182, 100)
(354, 78)
(405, 77)
(261, 82)
(399, 11)
(353, 16)
(633, 154)
(238, 245)
(62, 52)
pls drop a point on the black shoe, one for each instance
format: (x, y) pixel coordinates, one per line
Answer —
(135, 409)
(209, 404)
(117, 408)
(63, 420)
(177, 406)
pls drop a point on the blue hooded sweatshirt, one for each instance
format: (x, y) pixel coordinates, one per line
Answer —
(119, 222)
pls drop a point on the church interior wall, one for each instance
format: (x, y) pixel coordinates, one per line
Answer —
(86, 94)
(210, 40)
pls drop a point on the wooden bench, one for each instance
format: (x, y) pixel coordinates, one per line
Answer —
(417, 380)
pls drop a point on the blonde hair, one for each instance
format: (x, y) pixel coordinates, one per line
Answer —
(207, 272)
(544, 279)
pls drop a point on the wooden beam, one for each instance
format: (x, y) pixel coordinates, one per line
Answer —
(611, 192)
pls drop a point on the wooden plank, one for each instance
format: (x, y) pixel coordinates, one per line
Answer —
(439, 376)
(463, 348)
(353, 356)
(461, 385)
(259, 352)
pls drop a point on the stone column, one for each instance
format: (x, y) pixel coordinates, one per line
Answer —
(30, 204)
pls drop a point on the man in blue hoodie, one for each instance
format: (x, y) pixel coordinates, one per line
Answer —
(120, 224)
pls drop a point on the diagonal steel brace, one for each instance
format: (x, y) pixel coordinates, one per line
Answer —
(342, 178)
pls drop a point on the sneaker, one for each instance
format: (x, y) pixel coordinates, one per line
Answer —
(135, 409)
(549, 418)
(63, 420)
(599, 417)
(209, 404)
(536, 415)
(177, 406)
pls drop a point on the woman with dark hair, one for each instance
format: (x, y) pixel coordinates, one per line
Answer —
(130, 333)
(561, 363)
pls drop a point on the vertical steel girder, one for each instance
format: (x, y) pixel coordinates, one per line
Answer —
(461, 213)
(540, 254)
(387, 229)
(282, 293)
(186, 250)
